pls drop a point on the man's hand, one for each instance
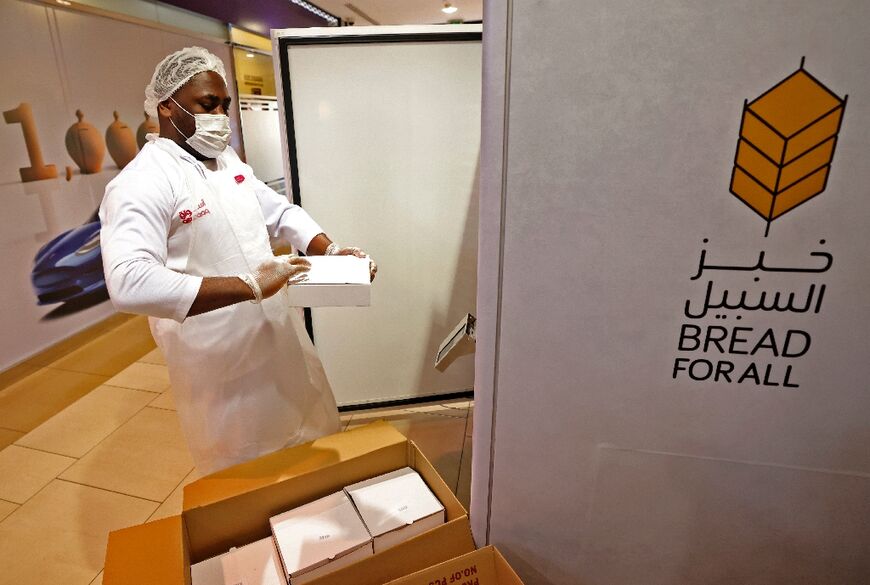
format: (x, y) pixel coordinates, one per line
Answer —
(279, 271)
(217, 292)
(335, 250)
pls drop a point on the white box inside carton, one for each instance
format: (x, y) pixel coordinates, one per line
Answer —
(334, 281)
(320, 537)
(253, 564)
(396, 506)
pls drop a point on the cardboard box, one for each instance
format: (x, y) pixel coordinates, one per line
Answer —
(334, 281)
(232, 508)
(253, 564)
(395, 507)
(481, 567)
(320, 537)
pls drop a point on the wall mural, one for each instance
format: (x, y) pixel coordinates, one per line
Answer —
(72, 119)
(69, 267)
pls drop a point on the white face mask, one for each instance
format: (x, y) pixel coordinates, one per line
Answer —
(212, 134)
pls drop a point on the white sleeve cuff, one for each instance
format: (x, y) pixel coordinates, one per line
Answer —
(191, 288)
(302, 228)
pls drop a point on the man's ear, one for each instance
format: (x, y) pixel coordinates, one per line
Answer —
(163, 109)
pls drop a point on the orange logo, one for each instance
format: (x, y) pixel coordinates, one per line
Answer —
(787, 139)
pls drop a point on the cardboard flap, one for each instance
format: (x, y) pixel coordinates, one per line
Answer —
(290, 462)
(147, 554)
(504, 573)
(427, 471)
(485, 567)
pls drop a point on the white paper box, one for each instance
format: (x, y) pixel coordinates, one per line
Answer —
(319, 537)
(253, 564)
(396, 506)
(334, 281)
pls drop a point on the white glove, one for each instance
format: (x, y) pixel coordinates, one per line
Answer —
(335, 250)
(273, 274)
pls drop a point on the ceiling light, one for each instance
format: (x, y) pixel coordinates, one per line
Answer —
(315, 10)
(64, 3)
(249, 55)
(449, 8)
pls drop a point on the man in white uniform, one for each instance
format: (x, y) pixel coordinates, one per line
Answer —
(185, 240)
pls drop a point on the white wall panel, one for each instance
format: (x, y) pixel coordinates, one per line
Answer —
(388, 139)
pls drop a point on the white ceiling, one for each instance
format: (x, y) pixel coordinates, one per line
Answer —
(400, 11)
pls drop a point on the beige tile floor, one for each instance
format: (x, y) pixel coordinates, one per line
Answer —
(106, 452)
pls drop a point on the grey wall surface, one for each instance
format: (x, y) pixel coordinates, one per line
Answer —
(609, 136)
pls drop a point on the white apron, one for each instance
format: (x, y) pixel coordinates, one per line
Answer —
(246, 378)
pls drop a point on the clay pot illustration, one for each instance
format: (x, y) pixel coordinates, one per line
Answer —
(85, 145)
(121, 142)
(147, 127)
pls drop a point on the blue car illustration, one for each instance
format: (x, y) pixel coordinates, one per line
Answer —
(70, 266)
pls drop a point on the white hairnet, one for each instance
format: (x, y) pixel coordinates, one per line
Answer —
(175, 70)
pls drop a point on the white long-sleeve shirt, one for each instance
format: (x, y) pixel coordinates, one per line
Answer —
(144, 215)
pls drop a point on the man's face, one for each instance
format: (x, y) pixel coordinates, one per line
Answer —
(204, 93)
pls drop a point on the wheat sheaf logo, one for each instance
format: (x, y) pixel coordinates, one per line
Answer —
(787, 140)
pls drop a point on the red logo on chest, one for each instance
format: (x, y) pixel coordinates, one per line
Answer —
(188, 216)
(239, 178)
